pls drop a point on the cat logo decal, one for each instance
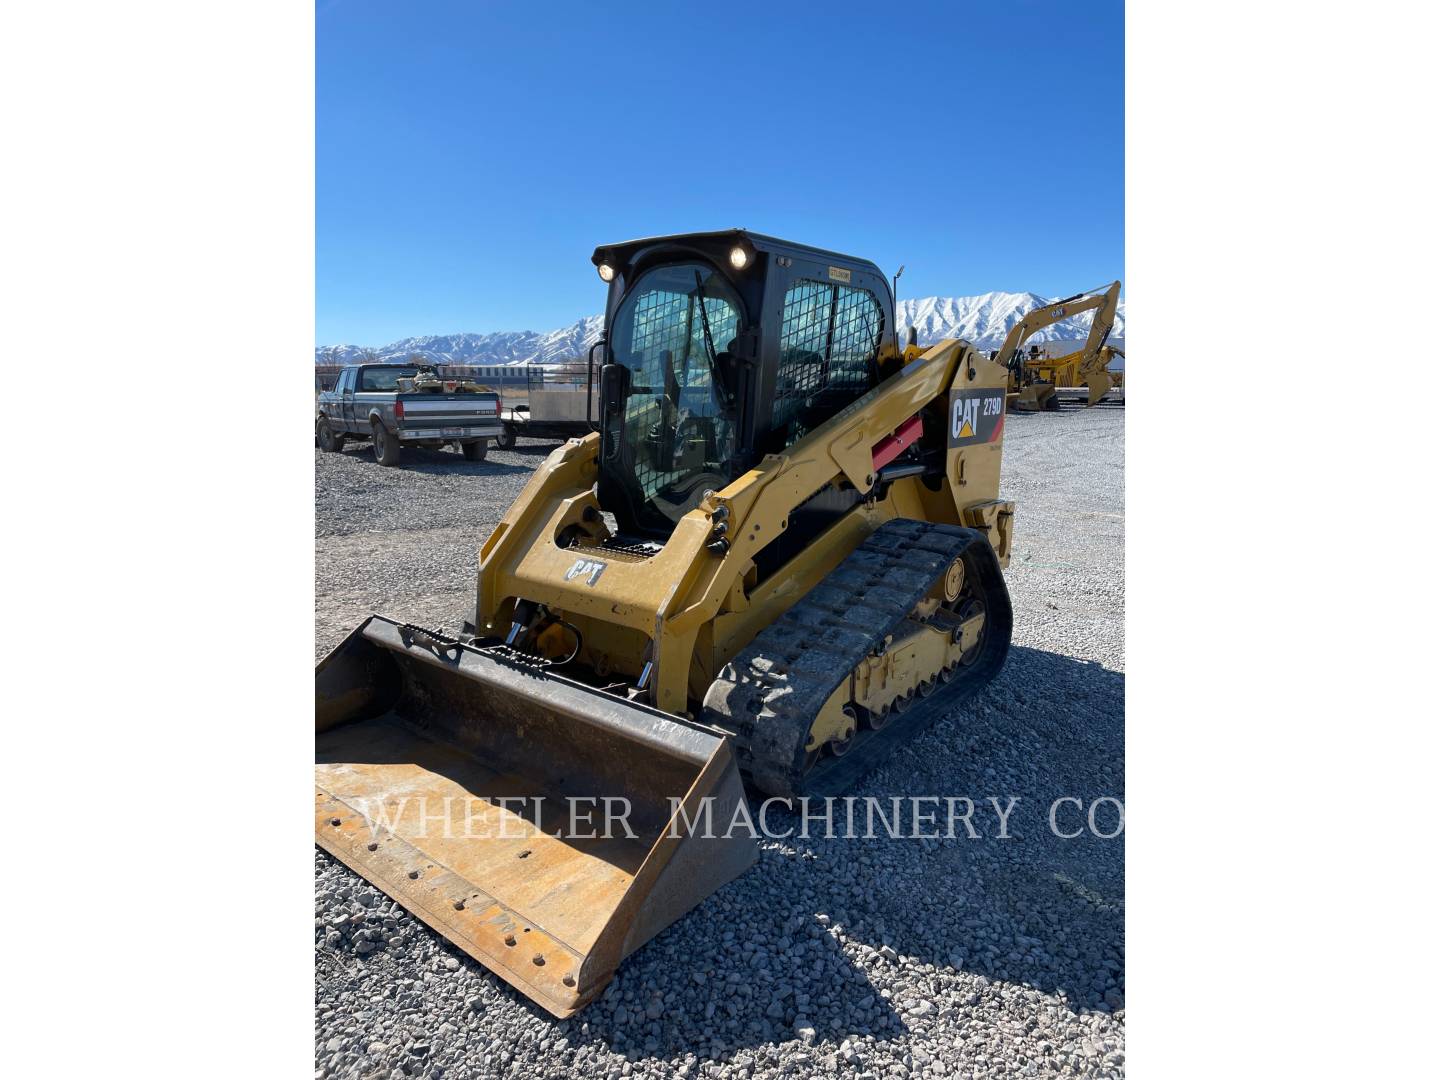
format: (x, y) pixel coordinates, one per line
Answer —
(976, 416)
(590, 569)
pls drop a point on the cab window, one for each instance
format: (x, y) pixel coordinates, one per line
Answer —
(677, 436)
(385, 379)
(829, 338)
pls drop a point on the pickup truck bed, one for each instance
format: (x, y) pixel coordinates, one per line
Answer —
(446, 416)
(366, 404)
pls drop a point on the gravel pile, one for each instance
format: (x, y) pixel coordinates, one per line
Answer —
(866, 958)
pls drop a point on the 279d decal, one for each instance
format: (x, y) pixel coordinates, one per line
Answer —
(976, 416)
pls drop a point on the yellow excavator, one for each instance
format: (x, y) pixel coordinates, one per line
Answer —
(777, 558)
(1035, 378)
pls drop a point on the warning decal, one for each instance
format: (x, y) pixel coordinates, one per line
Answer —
(976, 416)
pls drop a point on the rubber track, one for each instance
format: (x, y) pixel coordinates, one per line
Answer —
(768, 696)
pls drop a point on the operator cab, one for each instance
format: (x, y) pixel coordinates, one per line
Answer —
(721, 348)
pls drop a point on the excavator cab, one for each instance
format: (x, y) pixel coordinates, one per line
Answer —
(721, 348)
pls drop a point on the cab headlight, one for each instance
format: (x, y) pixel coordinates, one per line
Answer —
(739, 257)
(607, 272)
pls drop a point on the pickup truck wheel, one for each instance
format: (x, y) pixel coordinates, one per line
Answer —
(506, 440)
(387, 446)
(330, 442)
(474, 451)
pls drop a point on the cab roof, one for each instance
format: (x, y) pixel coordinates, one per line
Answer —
(720, 242)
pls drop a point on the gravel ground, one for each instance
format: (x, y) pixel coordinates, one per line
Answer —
(867, 958)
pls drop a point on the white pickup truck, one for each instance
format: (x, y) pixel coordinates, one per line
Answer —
(371, 401)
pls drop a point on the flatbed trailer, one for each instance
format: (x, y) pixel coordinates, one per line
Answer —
(520, 424)
(558, 405)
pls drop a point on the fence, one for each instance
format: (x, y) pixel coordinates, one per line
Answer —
(513, 381)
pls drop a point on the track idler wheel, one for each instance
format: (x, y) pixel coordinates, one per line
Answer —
(839, 746)
(877, 719)
(967, 610)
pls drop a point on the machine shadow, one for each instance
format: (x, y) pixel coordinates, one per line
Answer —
(1036, 909)
(654, 1007)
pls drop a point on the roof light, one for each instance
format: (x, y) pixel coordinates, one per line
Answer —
(607, 272)
(739, 257)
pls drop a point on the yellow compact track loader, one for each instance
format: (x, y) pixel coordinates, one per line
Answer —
(777, 557)
(1035, 378)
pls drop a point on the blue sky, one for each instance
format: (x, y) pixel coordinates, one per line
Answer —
(470, 156)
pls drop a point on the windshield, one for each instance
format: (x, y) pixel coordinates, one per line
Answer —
(386, 378)
(678, 432)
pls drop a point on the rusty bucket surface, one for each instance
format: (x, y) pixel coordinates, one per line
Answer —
(473, 790)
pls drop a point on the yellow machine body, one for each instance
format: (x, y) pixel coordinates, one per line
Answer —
(447, 764)
(1035, 378)
(684, 608)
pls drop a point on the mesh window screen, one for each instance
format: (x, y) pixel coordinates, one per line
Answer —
(829, 335)
(667, 329)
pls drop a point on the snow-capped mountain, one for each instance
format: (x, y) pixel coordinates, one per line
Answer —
(981, 320)
(985, 320)
(504, 347)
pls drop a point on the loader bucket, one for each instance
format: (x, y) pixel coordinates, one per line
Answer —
(1032, 398)
(471, 787)
(1099, 385)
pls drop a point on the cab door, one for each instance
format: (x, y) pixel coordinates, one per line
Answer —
(330, 404)
(346, 388)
